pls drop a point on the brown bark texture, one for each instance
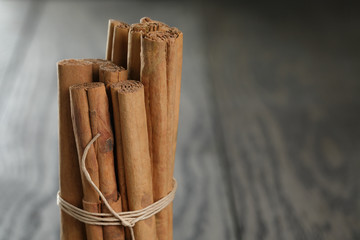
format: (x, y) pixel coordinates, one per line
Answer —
(134, 44)
(96, 63)
(110, 36)
(70, 72)
(90, 115)
(161, 63)
(120, 44)
(111, 73)
(136, 155)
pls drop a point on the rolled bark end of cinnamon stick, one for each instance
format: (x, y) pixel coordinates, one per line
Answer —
(70, 72)
(110, 36)
(111, 73)
(96, 63)
(120, 44)
(136, 154)
(134, 44)
(145, 20)
(129, 86)
(161, 25)
(169, 35)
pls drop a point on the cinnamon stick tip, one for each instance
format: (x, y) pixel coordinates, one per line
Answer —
(117, 23)
(139, 27)
(111, 67)
(97, 60)
(128, 86)
(87, 85)
(77, 62)
(163, 36)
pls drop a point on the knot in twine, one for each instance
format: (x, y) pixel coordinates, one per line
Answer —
(126, 219)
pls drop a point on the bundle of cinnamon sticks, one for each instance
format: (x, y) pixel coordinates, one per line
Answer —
(131, 98)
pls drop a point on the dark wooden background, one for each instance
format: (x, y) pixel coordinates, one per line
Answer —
(269, 140)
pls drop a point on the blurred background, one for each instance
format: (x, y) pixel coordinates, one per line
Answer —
(269, 135)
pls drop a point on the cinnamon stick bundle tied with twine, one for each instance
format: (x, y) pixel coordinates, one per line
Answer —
(133, 186)
(128, 219)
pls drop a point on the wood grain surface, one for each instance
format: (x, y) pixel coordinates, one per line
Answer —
(286, 92)
(268, 144)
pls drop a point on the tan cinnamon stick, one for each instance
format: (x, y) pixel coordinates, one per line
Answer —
(82, 130)
(134, 44)
(161, 76)
(118, 143)
(120, 44)
(154, 78)
(100, 123)
(111, 73)
(136, 154)
(149, 20)
(90, 117)
(119, 149)
(70, 72)
(110, 36)
(174, 49)
(97, 62)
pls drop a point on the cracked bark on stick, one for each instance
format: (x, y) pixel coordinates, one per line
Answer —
(136, 155)
(161, 63)
(90, 115)
(70, 72)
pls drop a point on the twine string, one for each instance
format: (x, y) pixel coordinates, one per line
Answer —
(126, 219)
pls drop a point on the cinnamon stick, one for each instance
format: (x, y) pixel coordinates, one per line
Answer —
(82, 129)
(97, 62)
(134, 45)
(161, 52)
(119, 149)
(111, 73)
(104, 146)
(149, 20)
(70, 72)
(120, 44)
(110, 36)
(90, 117)
(175, 49)
(136, 154)
(153, 76)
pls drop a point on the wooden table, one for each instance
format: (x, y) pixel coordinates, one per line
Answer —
(269, 141)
